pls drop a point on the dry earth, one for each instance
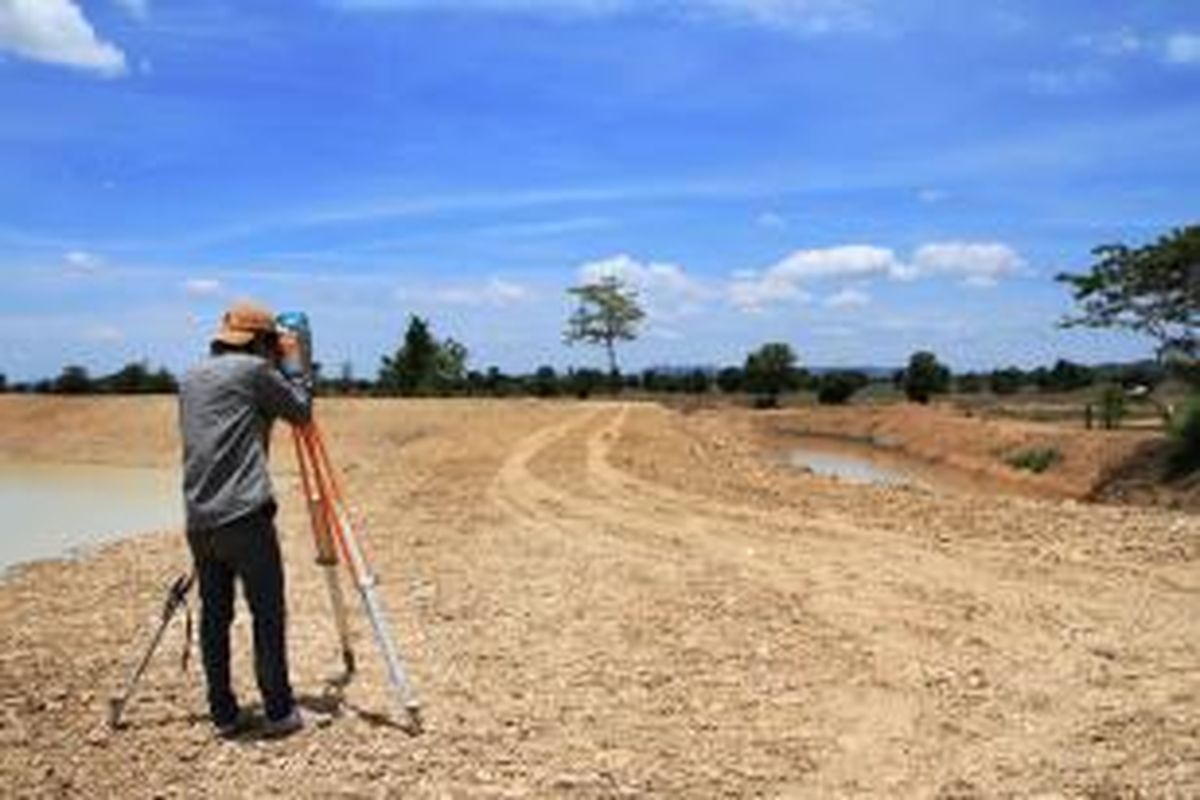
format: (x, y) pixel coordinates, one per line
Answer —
(604, 600)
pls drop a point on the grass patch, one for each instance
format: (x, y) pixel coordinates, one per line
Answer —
(1035, 459)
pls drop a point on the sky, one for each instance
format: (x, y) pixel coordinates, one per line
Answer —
(858, 178)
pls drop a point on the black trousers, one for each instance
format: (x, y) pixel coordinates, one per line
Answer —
(247, 548)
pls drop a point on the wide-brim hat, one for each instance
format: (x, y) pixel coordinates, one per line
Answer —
(243, 321)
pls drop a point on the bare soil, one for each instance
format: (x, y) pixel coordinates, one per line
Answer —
(609, 599)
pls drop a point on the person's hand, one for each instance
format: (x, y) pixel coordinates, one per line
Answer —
(289, 356)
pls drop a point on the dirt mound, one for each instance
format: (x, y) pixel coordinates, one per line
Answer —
(605, 600)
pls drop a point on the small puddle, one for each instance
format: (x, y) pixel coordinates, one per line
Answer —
(868, 464)
(853, 468)
(53, 510)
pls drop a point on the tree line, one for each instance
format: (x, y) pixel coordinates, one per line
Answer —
(1153, 290)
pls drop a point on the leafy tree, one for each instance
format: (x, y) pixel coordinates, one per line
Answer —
(1184, 455)
(730, 379)
(836, 388)
(584, 382)
(970, 383)
(770, 370)
(73, 380)
(608, 312)
(3, 382)
(1152, 290)
(925, 376)
(1066, 376)
(423, 365)
(1006, 381)
(545, 382)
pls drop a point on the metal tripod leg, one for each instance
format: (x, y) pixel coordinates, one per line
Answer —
(397, 675)
(176, 598)
(338, 602)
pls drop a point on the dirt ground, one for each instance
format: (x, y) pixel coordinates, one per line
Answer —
(617, 600)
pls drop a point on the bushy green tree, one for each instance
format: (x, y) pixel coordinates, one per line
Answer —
(924, 377)
(836, 388)
(73, 379)
(769, 372)
(607, 313)
(730, 380)
(1152, 290)
(1184, 456)
(423, 364)
(545, 382)
(1006, 381)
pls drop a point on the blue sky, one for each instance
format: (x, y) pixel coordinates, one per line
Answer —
(859, 178)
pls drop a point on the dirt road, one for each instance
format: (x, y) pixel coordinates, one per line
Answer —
(618, 600)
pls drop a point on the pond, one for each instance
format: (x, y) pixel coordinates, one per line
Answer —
(862, 462)
(863, 466)
(52, 510)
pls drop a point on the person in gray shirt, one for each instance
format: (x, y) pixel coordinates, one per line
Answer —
(227, 404)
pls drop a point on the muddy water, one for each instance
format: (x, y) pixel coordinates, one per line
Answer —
(860, 462)
(53, 510)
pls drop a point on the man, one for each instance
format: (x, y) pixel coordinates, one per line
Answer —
(227, 404)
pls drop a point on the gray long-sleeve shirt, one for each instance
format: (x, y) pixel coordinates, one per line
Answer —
(226, 406)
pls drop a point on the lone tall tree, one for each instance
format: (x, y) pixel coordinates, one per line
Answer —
(1152, 290)
(608, 312)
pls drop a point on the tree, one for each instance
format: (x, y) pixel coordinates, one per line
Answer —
(423, 365)
(729, 380)
(3, 383)
(770, 370)
(1152, 290)
(1006, 381)
(545, 382)
(836, 388)
(73, 380)
(608, 312)
(924, 377)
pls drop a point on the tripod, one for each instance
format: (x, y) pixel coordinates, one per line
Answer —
(335, 536)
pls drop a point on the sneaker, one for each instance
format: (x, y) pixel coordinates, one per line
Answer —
(285, 726)
(230, 730)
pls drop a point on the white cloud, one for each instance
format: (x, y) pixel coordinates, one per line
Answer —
(803, 17)
(931, 196)
(1120, 42)
(138, 9)
(1183, 48)
(1069, 81)
(202, 287)
(56, 32)
(771, 219)
(493, 292)
(979, 264)
(666, 289)
(104, 333)
(82, 260)
(782, 282)
(848, 298)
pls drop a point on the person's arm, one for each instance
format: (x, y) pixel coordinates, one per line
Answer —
(280, 397)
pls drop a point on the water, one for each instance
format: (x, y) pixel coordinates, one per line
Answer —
(849, 467)
(52, 510)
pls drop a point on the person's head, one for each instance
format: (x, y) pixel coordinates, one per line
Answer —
(246, 327)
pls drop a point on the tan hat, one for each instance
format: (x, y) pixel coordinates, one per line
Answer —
(243, 321)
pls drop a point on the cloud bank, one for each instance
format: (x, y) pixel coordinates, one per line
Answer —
(56, 32)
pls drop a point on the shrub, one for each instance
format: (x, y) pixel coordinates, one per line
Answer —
(1035, 459)
(836, 388)
(1185, 438)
